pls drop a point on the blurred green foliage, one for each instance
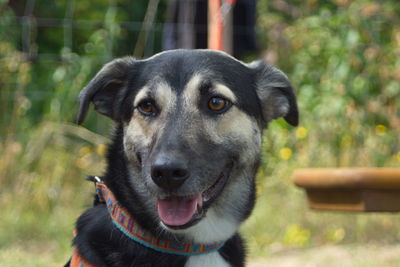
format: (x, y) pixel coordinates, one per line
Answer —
(343, 58)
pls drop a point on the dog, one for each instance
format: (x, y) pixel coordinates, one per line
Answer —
(182, 159)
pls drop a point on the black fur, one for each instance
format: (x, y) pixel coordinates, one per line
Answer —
(102, 244)
(110, 81)
(112, 92)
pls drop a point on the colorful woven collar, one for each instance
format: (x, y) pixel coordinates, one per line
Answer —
(129, 226)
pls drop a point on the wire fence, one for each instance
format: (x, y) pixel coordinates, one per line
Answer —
(50, 37)
(31, 24)
(144, 32)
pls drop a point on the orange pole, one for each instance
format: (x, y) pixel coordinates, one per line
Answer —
(215, 25)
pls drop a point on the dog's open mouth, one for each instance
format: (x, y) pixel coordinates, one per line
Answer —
(179, 212)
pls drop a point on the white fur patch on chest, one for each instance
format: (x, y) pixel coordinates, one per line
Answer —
(213, 259)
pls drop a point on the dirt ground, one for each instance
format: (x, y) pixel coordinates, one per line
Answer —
(332, 256)
(326, 256)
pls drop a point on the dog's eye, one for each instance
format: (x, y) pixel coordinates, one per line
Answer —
(147, 108)
(218, 104)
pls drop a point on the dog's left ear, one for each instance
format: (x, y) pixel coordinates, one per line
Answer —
(275, 92)
(105, 88)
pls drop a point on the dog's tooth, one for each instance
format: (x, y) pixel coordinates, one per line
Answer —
(200, 200)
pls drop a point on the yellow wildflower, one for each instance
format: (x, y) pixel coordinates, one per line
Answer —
(81, 163)
(336, 235)
(101, 149)
(285, 153)
(259, 189)
(297, 236)
(301, 132)
(380, 129)
(398, 156)
(346, 141)
(85, 150)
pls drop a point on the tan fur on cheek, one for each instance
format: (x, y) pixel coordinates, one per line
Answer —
(135, 136)
(139, 132)
(236, 125)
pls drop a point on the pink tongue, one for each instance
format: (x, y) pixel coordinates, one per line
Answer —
(176, 211)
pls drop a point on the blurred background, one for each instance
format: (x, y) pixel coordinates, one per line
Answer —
(342, 56)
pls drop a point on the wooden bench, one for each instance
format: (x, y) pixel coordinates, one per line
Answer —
(351, 189)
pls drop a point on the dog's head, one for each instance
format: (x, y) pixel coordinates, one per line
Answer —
(192, 124)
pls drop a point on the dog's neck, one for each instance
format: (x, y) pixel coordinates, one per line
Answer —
(127, 224)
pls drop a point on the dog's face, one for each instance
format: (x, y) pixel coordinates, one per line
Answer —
(192, 125)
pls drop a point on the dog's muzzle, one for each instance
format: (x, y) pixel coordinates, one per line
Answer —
(179, 212)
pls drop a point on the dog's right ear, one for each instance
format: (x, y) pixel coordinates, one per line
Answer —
(275, 92)
(103, 90)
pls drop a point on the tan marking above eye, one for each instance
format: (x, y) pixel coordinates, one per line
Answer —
(141, 95)
(154, 98)
(222, 90)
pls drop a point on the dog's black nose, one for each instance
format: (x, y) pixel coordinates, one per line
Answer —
(169, 175)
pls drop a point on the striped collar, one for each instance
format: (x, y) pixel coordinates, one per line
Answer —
(129, 226)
